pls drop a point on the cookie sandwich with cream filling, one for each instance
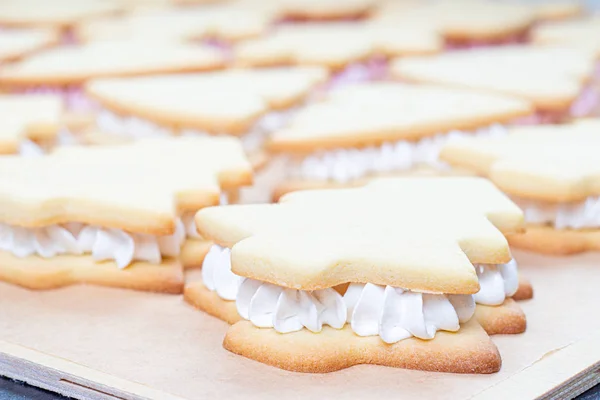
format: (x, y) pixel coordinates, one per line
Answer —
(122, 224)
(551, 172)
(357, 279)
(555, 79)
(363, 130)
(63, 70)
(217, 291)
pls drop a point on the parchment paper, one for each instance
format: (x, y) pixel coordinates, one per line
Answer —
(161, 342)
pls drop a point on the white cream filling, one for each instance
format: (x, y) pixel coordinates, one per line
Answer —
(344, 165)
(496, 282)
(138, 128)
(580, 215)
(102, 243)
(29, 148)
(390, 312)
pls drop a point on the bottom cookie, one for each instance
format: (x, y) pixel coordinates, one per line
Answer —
(547, 240)
(196, 294)
(193, 252)
(507, 318)
(525, 290)
(38, 273)
(468, 351)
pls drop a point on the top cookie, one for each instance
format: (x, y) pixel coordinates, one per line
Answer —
(225, 22)
(76, 64)
(334, 45)
(383, 233)
(140, 187)
(220, 102)
(582, 33)
(554, 163)
(35, 117)
(462, 20)
(15, 44)
(371, 114)
(56, 13)
(550, 77)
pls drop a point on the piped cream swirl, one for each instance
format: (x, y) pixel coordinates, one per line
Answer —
(390, 312)
(102, 243)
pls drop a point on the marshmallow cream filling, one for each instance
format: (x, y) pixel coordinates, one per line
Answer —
(390, 312)
(102, 243)
(582, 215)
(344, 165)
(138, 128)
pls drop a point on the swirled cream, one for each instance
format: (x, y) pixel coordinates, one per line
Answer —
(344, 165)
(139, 128)
(28, 148)
(496, 282)
(390, 312)
(396, 314)
(580, 215)
(102, 243)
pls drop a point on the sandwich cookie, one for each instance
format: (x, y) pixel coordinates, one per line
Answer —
(30, 124)
(551, 172)
(554, 79)
(463, 23)
(249, 104)
(362, 130)
(122, 224)
(367, 288)
(217, 25)
(17, 43)
(355, 51)
(63, 70)
(581, 33)
(223, 158)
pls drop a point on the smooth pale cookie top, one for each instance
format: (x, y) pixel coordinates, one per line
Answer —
(36, 117)
(15, 44)
(555, 163)
(460, 19)
(373, 113)
(76, 64)
(138, 187)
(415, 233)
(550, 77)
(191, 23)
(334, 45)
(219, 102)
(581, 33)
(55, 13)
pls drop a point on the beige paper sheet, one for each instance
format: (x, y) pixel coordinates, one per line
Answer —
(160, 342)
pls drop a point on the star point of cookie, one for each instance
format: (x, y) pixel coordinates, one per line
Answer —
(112, 215)
(551, 172)
(286, 267)
(29, 122)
